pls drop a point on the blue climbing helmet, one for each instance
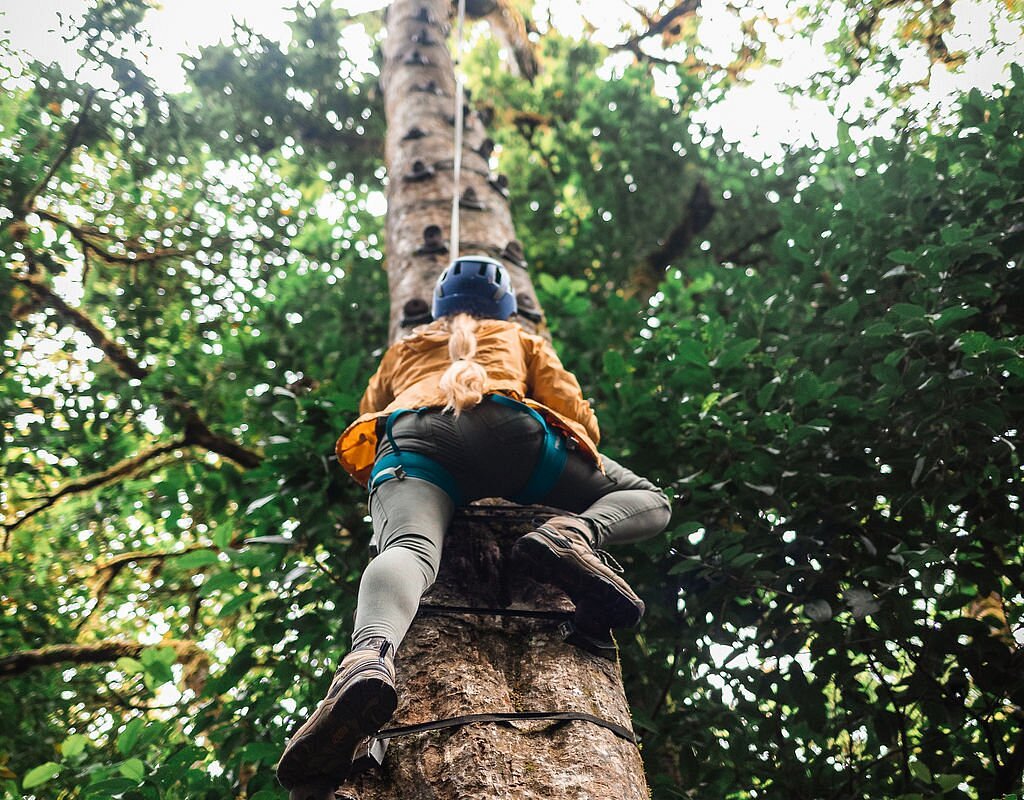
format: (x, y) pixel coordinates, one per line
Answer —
(476, 285)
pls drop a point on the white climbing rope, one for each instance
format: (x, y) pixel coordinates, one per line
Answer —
(459, 122)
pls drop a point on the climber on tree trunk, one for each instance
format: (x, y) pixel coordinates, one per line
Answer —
(466, 407)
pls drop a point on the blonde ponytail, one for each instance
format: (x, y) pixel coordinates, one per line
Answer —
(463, 382)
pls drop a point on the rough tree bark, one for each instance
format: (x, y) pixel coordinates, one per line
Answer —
(418, 81)
(455, 663)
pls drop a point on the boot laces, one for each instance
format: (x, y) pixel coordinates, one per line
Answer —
(383, 650)
(604, 556)
(608, 560)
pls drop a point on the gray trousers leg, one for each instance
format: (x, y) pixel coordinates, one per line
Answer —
(491, 451)
(410, 518)
(620, 506)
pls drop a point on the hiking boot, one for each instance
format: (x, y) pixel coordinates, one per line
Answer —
(361, 699)
(561, 551)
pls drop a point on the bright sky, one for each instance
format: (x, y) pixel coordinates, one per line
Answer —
(757, 116)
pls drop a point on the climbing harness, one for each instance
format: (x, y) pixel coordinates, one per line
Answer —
(459, 123)
(403, 463)
(552, 459)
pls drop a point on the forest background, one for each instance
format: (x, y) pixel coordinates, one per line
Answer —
(815, 346)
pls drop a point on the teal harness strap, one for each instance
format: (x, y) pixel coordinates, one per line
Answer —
(415, 465)
(552, 459)
(392, 419)
(405, 464)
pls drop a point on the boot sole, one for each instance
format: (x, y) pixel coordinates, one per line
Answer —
(597, 598)
(324, 754)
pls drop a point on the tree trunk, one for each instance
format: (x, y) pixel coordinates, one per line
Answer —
(456, 662)
(418, 81)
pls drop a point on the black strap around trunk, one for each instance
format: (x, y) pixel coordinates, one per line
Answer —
(505, 717)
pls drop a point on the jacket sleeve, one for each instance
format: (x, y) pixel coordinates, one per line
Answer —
(379, 391)
(548, 382)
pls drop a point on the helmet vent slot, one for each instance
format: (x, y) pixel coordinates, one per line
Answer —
(483, 268)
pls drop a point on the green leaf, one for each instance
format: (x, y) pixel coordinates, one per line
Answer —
(222, 536)
(691, 352)
(954, 314)
(74, 745)
(907, 311)
(129, 666)
(765, 393)
(133, 768)
(261, 751)
(947, 782)
(128, 738)
(615, 365)
(861, 602)
(686, 529)
(258, 504)
(111, 787)
(844, 313)
(974, 343)
(219, 582)
(236, 603)
(921, 771)
(818, 610)
(735, 354)
(879, 329)
(709, 402)
(196, 559)
(901, 256)
(806, 389)
(158, 655)
(40, 775)
(690, 564)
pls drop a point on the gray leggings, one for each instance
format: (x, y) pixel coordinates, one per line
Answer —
(491, 451)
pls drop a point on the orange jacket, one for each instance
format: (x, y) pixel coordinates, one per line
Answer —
(519, 364)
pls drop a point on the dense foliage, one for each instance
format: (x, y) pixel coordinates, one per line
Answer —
(826, 370)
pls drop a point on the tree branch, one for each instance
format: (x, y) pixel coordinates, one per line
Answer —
(88, 239)
(108, 650)
(510, 29)
(123, 362)
(760, 238)
(69, 146)
(197, 432)
(122, 559)
(699, 213)
(121, 469)
(1009, 774)
(672, 675)
(664, 23)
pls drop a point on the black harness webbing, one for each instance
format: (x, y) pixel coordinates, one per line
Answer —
(506, 717)
(371, 751)
(441, 610)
